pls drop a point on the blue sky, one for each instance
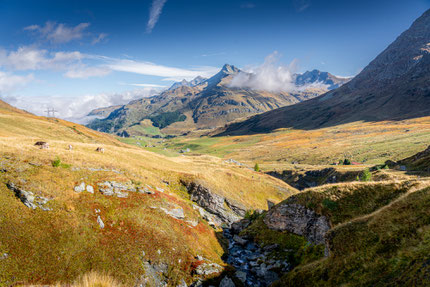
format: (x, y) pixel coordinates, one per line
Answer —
(95, 53)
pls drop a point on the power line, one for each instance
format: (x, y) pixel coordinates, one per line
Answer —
(50, 112)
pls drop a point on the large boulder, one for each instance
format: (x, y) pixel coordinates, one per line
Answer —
(297, 219)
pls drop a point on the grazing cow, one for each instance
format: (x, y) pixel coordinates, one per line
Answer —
(100, 149)
(70, 147)
(42, 145)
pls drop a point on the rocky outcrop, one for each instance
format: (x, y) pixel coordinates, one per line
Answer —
(206, 269)
(115, 188)
(29, 198)
(155, 275)
(297, 219)
(83, 187)
(220, 209)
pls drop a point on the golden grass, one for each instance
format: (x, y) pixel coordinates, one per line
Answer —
(90, 279)
(366, 142)
(45, 247)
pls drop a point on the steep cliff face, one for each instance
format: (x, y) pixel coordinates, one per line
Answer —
(216, 209)
(297, 219)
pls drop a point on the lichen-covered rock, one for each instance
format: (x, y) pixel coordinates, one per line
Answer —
(176, 212)
(80, 187)
(155, 275)
(221, 210)
(28, 198)
(299, 220)
(206, 269)
(100, 222)
(118, 189)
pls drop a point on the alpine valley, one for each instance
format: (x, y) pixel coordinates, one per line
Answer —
(245, 177)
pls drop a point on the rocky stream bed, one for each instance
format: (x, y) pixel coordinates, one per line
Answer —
(254, 265)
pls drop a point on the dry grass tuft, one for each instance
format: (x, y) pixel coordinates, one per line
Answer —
(96, 279)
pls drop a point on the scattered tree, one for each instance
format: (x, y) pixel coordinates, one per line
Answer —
(256, 167)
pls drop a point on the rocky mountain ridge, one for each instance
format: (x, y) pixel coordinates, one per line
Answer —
(394, 86)
(206, 104)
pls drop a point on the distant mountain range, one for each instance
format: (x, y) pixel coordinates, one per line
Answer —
(394, 86)
(206, 104)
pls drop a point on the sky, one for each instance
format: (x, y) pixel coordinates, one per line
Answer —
(78, 55)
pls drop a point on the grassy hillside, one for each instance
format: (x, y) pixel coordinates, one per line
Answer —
(378, 237)
(64, 242)
(368, 143)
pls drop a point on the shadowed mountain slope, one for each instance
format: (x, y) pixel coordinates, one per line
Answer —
(394, 86)
(207, 104)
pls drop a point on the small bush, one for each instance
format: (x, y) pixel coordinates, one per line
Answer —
(256, 167)
(57, 163)
(366, 175)
(347, 162)
(252, 214)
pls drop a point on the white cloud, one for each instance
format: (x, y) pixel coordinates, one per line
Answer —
(171, 73)
(269, 76)
(79, 65)
(145, 85)
(59, 33)
(10, 82)
(86, 72)
(99, 38)
(76, 109)
(154, 14)
(28, 58)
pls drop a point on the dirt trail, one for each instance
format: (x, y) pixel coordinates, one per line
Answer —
(419, 186)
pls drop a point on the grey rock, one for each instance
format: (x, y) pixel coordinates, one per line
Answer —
(176, 212)
(28, 198)
(198, 283)
(100, 222)
(4, 256)
(121, 194)
(270, 204)
(182, 284)
(144, 190)
(110, 188)
(192, 223)
(241, 276)
(299, 220)
(80, 188)
(238, 226)
(159, 189)
(208, 269)
(240, 240)
(237, 208)
(226, 282)
(90, 189)
(155, 275)
(211, 203)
